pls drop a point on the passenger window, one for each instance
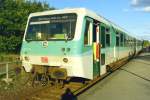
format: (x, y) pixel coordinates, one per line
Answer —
(107, 37)
(121, 39)
(126, 40)
(88, 33)
(117, 38)
(103, 36)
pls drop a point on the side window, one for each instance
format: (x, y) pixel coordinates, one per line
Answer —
(127, 41)
(122, 39)
(117, 38)
(131, 41)
(107, 37)
(103, 36)
(88, 33)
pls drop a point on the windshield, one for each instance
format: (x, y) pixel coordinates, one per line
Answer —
(52, 27)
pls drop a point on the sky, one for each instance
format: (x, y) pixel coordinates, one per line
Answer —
(132, 15)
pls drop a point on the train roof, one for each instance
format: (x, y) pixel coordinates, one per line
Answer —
(84, 12)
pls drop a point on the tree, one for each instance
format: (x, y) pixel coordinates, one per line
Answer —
(14, 14)
(146, 43)
(13, 18)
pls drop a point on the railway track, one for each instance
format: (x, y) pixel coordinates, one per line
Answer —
(55, 92)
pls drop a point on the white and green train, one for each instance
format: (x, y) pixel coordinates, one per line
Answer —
(74, 43)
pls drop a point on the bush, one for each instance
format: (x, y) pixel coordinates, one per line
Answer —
(10, 44)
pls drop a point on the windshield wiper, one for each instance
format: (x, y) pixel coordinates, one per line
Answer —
(66, 37)
(29, 40)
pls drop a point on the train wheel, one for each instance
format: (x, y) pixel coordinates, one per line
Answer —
(109, 69)
(59, 83)
(35, 81)
(44, 80)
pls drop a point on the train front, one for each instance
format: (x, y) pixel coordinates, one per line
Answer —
(52, 45)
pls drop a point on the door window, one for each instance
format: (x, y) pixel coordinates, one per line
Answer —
(88, 33)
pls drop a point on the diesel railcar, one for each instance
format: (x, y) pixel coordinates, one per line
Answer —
(74, 43)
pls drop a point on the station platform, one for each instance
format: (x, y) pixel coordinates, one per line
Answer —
(130, 82)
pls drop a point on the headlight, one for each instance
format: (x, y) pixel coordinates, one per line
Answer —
(65, 60)
(26, 58)
(20, 58)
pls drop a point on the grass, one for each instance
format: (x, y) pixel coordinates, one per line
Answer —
(8, 57)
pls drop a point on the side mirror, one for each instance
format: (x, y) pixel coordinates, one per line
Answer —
(28, 40)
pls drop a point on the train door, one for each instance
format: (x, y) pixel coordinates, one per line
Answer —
(96, 49)
(103, 43)
(91, 42)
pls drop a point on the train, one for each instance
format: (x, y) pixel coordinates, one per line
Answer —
(74, 42)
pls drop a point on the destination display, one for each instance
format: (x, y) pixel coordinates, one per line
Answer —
(53, 18)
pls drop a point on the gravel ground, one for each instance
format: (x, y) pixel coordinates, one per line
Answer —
(19, 88)
(131, 82)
